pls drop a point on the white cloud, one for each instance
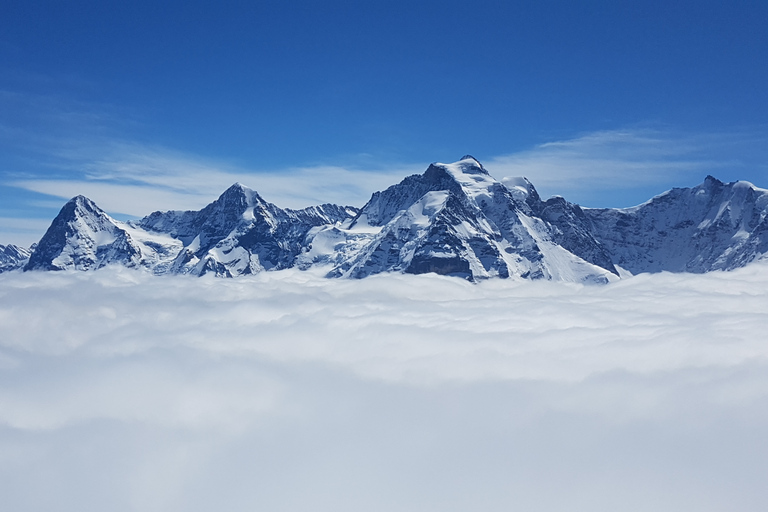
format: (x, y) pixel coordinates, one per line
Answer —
(595, 164)
(131, 200)
(137, 180)
(286, 390)
(628, 166)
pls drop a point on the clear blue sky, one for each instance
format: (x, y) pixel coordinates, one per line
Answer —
(160, 104)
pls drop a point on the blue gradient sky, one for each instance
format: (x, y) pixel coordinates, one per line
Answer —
(147, 105)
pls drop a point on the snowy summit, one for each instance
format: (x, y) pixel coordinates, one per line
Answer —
(454, 219)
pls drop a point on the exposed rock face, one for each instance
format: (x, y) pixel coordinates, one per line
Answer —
(240, 233)
(13, 257)
(237, 234)
(83, 237)
(714, 226)
(454, 219)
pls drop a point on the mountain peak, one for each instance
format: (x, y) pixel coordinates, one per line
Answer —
(238, 188)
(453, 219)
(78, 206)
(239, 195)
(13, 257)
(82, 201)
(712, 181)
(471, 165)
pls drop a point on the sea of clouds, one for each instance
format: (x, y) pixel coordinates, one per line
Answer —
(123, 391)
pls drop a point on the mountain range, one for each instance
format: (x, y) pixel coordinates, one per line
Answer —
(454, 219)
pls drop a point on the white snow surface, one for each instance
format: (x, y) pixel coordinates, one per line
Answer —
(13, 257)
(124, 391)
(476, 184)
(454, 219)
(519, 186)
(483, 234)
(712, 226)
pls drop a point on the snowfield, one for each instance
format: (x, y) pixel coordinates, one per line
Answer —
(125, 391)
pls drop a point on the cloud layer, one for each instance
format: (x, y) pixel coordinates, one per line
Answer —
(123, 391)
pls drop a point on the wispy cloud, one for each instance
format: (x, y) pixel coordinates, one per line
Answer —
(136, 180)
(62, 147)
(81, 153)
(599, 163)
(388, 393)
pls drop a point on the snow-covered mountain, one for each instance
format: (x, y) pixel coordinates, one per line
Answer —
(237, 234)
(714, 226)
(84, 237)
(13, 257)
(240, 233)
(454, 219)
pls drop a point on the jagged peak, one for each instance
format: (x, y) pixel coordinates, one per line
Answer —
(471, 165)
(466, 166)
(81, 200)
(238, 188)
(733, 185)
(711, 180)
(82, 204)
(15, 250)
(239, 193)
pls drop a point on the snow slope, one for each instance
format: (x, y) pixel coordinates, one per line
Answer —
(13, 257)
(713, 226)
(454, 219)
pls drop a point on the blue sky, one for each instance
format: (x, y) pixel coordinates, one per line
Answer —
(150, 105)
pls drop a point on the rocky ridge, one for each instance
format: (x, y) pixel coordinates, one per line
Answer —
(454, 219)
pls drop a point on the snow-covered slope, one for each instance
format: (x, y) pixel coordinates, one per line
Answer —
(240, 233)
(713, 226)
(13, 257)
(84, 237)
(454, 219)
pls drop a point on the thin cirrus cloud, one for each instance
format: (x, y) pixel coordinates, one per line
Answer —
(601, 161)
(136, 180)
(601, 164)
(288, 390)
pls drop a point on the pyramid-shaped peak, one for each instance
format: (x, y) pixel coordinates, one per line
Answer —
(238, 188)
(81, 200)
(237, 191)
(79, 205)
(239, 194)
(712, 180)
